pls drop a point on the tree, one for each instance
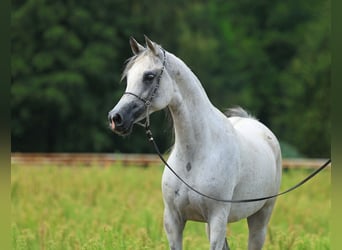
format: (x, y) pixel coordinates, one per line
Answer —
(271, 58)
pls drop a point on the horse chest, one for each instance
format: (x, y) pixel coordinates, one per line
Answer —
(212, 180)
(189, 205)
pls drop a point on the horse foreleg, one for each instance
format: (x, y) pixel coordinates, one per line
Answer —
(174, 226)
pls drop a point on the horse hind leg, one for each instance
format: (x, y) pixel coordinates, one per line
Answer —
(225, 246)
(257, 225)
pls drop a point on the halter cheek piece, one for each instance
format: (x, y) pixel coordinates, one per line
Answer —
(147, 102)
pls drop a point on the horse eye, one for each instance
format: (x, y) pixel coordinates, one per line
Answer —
(149, 77)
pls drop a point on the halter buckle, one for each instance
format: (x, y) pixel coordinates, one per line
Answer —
(147, 103)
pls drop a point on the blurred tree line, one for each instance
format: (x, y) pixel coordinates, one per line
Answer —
(270, 57)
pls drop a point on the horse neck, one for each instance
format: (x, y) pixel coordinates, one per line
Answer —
(190, 107)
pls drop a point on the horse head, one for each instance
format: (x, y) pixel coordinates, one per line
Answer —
(148, 87)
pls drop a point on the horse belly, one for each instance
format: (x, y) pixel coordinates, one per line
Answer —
(241, 211)
(252, 186)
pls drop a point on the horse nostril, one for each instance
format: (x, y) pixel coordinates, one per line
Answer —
(117, 119)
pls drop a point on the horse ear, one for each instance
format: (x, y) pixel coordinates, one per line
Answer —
(135, 46)
(151, 45)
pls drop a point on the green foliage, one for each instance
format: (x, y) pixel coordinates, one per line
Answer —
(122, 208)
(289, 151)
(271, 57)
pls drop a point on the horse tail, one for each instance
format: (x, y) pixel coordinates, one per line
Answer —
(237, 111)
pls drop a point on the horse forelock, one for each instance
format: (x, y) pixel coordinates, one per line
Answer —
(132, 60)
(129, 63)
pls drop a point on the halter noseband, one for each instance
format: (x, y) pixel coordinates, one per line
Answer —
(147, 102)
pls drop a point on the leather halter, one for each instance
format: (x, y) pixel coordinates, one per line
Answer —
(147, 102)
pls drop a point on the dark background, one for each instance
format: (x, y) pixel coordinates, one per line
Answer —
(270, 57)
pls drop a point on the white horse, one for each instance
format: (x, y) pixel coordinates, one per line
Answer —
(230, 156)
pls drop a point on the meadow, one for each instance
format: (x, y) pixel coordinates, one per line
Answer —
(121, 208)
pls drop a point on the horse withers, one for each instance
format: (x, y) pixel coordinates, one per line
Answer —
(226, 156)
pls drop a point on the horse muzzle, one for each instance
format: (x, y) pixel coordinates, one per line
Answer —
(122, 118)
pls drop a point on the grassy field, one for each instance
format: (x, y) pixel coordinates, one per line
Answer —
(121, 208)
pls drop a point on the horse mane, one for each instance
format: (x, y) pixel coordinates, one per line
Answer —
(237, 111)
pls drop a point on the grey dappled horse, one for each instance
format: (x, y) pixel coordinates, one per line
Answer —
(230, 156)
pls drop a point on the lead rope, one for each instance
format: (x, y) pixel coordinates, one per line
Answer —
(149, 134)
(156, 148)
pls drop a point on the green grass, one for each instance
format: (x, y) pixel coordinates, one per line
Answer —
(121, 208)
